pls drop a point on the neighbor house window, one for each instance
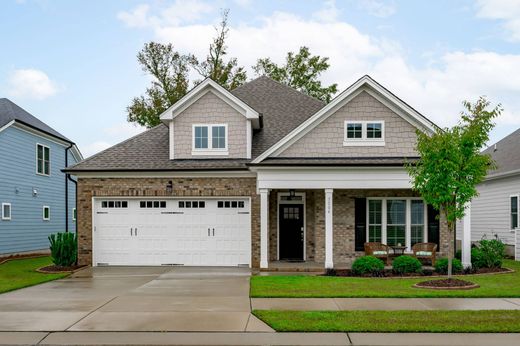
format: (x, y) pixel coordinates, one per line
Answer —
(396, 221)
(210, 139)
(514, 212)
(364, 133)
(6, 211)
(46, 213)
(43, 159)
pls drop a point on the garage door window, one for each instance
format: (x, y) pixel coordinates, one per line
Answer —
(230, 204)
(114, 204)
(192, 204)
(152, 204)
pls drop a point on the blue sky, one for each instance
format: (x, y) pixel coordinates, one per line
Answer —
(73, 65)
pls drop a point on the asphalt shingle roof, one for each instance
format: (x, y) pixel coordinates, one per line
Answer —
(507, 154)
(10, 111)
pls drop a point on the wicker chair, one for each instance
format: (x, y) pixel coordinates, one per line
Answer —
(378, 250)
(425, 251)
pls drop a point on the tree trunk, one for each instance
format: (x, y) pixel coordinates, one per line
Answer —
(450, 249)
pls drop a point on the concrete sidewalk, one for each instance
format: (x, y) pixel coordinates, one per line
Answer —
(338, 304)
(173, 338)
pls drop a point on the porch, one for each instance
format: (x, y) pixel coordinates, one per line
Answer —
(307, 228)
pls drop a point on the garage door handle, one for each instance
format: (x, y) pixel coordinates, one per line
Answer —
(208, 233)
(136, 231)
(131, 229)
(213, 232)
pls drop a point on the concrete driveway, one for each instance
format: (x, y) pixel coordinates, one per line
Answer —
(135, 299)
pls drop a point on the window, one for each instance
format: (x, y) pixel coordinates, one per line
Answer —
(192, 204)
(514, 212)
(417, 222)
(375, 220)
(230, 204)
(74, 214)
(114, 204)
(364, 133)
(210, 139)
(152, 204)
(396, 222)
(43, 159)
(6, 211)
(46, 213)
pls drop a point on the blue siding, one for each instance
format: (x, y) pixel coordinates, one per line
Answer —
(26, 231)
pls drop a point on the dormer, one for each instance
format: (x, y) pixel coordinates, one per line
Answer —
(210, 123)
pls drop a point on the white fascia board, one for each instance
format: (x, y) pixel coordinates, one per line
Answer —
(173, 174)
(76, 153)
(6, 125)
(502, 175)
(363, 84)
(199, 91)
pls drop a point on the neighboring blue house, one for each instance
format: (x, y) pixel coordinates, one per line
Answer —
(36, 197)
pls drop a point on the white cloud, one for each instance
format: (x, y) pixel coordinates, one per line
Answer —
(94, 148)
(329, 13)
(506, 10)
(436, 90)
(378, 8)
(136, 18)
(31, 83)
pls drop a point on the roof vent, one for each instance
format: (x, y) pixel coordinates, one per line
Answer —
(495, 147)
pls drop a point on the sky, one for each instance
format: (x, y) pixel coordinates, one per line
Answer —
(73, 64)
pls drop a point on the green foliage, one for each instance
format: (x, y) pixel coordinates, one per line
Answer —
(367, 265)
(406, 264)
(300, 71)
(441, 266)
(451, 164)
(488, 254)
(64, 248)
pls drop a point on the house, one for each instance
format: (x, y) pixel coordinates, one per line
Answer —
(36, 197)
(258, 175)
(494, 213)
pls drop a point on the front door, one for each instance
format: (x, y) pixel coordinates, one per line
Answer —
(291, 231)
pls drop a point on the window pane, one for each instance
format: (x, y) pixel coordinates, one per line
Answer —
(181, 204)
(396, 220)
(124, 204)
(142, 204)
(104, 204)
(218, 134)
(188, 204)
(374, 130)
(374, 220)
(202, 204)
(6, 211)
(46, 156)
(514, 212)
(163, 204)
(111, 204)
(46, 167)
(220, 204)
(40, 152)
(40, 166)
(46, 213)
(156, 204)
(354, 130)
(149, 204)
(201, 137)
(417, 227)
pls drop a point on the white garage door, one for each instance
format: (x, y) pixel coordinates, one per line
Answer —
(195, 232)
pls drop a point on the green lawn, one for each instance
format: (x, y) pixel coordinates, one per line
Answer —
(490, 321)
(21, 273)
(500, 285)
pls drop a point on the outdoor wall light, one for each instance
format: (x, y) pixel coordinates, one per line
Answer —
(292, 194)
(35, 192)
(169, 187)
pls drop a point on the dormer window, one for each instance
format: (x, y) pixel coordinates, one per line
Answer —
(210, 139)
(364, 133)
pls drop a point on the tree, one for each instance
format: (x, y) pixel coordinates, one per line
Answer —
(169, 70)
(451, 164)
(227, 74)
(300, 71)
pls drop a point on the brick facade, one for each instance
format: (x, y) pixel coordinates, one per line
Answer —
(134, 187)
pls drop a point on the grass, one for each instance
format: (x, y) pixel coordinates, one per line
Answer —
(490, 321)
(21, 273)
(498, 285)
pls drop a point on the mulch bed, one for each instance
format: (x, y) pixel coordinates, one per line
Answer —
(388, 273)
(58, 269)
(447, 284)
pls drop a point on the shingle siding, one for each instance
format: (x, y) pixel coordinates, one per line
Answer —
(326, 140)
(26, 231)
(210, 109)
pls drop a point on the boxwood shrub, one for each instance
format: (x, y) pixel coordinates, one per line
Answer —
(368, 265)
(441, 266)
(406, 264)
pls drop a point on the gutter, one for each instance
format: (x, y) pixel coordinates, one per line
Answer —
(67, 179)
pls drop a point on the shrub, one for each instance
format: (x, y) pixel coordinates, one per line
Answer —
(492, 253)
(406, 264)
(441, 266)
(64, 249)
(477, 258)
(367, 265)
(458, 254)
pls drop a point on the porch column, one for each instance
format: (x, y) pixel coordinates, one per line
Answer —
(466, 237)
(264, 227)
(328, 229)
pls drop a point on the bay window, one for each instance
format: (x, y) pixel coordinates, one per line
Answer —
(396, 221)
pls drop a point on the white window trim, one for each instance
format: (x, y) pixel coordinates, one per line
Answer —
(408, 226)
(364, 141)
(517, 212)
(7, 218)
(43, 213)
(74, 216)
(43, 167)
(209, 150)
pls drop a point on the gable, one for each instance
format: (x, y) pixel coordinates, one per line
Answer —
(210, 109)
(326, 139)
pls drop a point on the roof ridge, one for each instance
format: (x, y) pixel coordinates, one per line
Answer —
(115, 145)
(507, 137)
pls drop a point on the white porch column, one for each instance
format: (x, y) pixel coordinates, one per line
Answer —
(466, 237)
(328, 229)
(264, 228)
